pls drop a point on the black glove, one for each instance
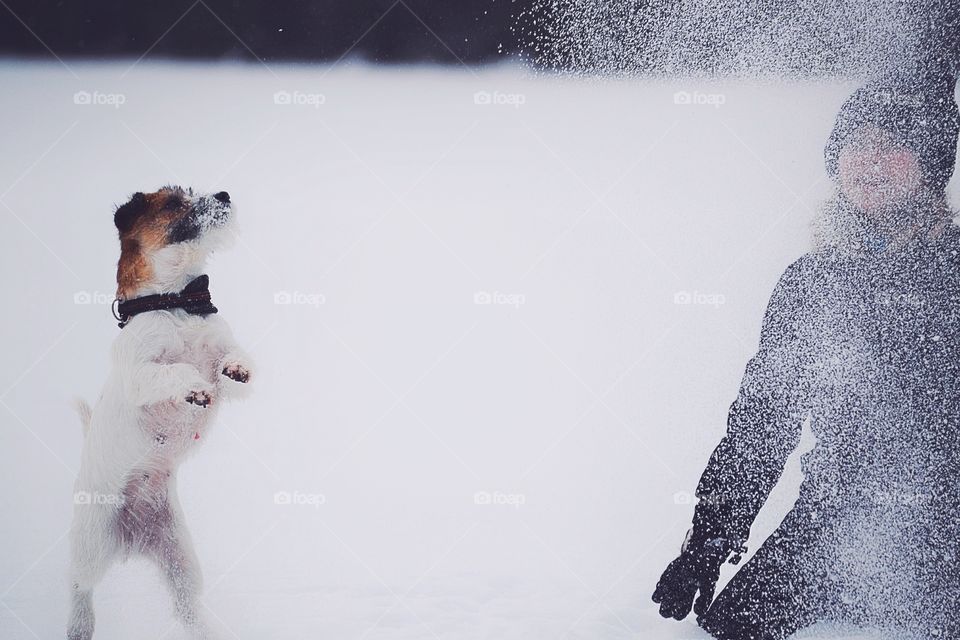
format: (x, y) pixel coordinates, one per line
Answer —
(697, 569)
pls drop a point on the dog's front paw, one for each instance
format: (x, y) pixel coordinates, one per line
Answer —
(199, 397)
(237, 372)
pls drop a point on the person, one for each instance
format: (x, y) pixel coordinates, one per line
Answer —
(862, 338)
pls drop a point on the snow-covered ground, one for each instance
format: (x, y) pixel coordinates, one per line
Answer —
(386, 205)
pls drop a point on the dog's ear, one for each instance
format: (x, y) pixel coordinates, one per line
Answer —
(128, 213)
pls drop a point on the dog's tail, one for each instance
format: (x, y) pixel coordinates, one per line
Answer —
(85, 412)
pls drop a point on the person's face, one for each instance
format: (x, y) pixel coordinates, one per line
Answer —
(876, 173)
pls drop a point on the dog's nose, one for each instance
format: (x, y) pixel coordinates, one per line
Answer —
(223, 197)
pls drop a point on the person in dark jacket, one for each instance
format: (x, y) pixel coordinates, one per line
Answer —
(862, 338)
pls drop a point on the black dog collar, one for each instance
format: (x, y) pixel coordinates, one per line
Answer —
(194, 299)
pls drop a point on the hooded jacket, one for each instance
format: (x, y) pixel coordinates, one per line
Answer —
(862, 337)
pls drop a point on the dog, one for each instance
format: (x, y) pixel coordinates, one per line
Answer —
(173, 362)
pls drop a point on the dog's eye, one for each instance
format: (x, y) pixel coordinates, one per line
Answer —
(172, 204)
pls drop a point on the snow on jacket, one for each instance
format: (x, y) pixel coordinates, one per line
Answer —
(861, 336)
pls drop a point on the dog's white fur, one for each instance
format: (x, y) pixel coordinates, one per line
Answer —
(140, 430)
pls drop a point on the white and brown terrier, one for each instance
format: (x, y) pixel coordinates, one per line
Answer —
(173, 362)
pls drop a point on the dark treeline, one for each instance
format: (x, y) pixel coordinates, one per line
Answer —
(632, 36)
(440, 31)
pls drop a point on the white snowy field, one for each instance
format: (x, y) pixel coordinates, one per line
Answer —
(385, 205)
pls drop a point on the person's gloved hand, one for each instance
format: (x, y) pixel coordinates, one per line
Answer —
(696, 570)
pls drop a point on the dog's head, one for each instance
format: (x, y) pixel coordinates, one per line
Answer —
(166, 236)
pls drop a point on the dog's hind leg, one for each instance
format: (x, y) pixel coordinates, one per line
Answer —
(172, 549)
(82, 619)
(93, 551)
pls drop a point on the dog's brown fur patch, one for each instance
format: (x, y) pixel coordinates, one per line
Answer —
(148, 233)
